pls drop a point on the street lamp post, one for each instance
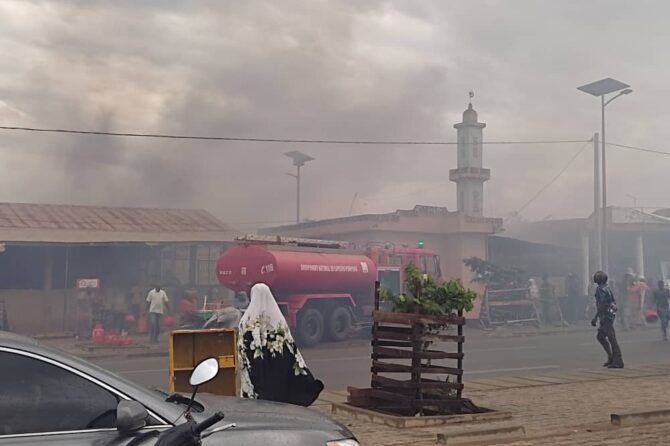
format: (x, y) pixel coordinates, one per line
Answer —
(602, 88)
(299, 160)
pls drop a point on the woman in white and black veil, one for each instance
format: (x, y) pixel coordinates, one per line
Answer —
(271, 366)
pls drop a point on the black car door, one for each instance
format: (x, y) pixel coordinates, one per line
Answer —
(43, 402)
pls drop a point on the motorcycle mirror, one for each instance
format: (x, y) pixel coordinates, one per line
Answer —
(130, 416)
(204, 372)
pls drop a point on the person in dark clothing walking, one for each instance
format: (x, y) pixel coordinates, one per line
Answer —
(606, 313)
(662, 300)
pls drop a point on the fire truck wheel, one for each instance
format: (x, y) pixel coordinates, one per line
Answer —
(310, 327)
(339, 324)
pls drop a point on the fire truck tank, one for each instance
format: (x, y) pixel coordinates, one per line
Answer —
(242, 266)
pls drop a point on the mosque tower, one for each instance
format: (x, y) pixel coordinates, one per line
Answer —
(470, 175)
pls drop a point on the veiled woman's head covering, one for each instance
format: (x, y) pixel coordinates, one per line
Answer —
(263, 308)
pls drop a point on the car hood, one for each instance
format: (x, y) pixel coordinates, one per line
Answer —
(268, 423)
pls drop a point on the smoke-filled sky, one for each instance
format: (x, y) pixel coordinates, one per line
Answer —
(383, 70)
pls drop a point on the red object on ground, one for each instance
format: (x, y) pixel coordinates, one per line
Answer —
(142, 325)
(98, 334)
(127, 340)
(169, 321)
(650, 315)
(109, 338)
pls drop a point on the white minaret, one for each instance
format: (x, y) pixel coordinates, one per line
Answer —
(470, 175)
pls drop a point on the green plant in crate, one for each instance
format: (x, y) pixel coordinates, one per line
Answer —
(425, 295)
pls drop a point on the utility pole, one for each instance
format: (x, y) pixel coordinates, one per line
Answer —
(600, 89)
(597, 212)
(603, 234)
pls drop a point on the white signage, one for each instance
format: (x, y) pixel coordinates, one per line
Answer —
(88, 283)
(329, 268)
(267, 269)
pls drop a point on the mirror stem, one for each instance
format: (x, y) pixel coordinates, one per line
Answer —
(190, 403)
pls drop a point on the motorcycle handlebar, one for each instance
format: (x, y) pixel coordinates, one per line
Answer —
(200, 427)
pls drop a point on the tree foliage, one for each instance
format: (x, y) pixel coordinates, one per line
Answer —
(427, 296)
(494, 276)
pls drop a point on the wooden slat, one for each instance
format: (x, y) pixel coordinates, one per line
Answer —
(411, 319)
(396, 353)
(384, 333)
(441, 338)
(406, 344)
(396, 329)
(386, 382)
(381, 367)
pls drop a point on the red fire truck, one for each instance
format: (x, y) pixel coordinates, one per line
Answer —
(325, 289)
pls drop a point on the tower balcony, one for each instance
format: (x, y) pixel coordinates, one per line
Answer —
(470, 173)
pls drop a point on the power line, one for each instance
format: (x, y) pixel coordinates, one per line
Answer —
(639, 149)
(273, 140)
(553, 180)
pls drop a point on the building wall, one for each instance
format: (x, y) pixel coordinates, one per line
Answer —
(471, 196)
(470, 147)
(39, 312)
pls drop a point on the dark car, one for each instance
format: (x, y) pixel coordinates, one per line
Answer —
(50, 398)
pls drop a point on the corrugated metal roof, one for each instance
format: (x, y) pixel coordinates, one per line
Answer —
(89, 224)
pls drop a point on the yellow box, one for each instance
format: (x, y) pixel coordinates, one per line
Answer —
(188, 347)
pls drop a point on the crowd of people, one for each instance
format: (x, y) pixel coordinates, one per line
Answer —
(122, 309)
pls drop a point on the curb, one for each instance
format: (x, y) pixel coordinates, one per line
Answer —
(637, 418)
(499, 435)
(400, 422)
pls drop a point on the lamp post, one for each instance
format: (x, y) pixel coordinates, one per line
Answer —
(602, 88)
(299, 160)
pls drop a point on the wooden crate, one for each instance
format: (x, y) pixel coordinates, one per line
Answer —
(188, 347)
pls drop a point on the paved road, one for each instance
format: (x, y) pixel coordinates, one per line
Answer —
(343, 364)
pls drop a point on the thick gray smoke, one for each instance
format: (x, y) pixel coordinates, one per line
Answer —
(324, 70)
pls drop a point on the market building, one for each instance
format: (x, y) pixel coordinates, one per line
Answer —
(46, 250)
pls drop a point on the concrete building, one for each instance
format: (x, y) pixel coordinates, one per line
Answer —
(638, 239)
(46, 249)
(470, 174)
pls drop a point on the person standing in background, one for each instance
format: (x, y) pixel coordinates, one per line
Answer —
(546, 297)
(135, 301)
(622, 290)
(643, 289)
(157, 305)
(187, 308)
(632, 303)
(662, 301)
(84, 313)
(119, 310)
